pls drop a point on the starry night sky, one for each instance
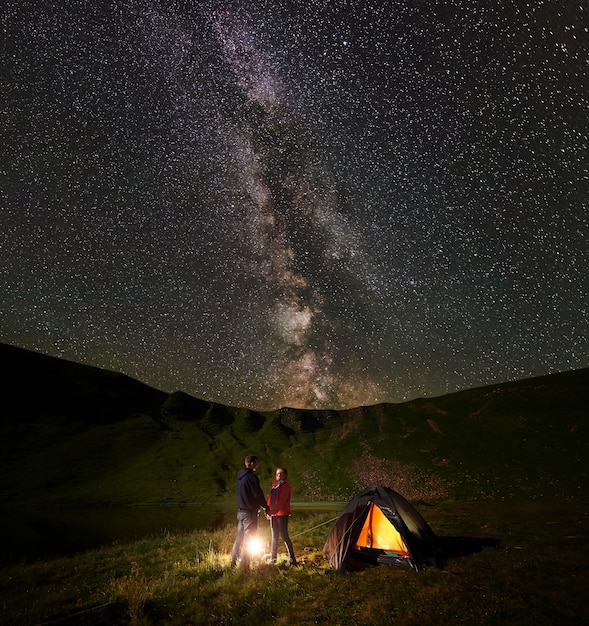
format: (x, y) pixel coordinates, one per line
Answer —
(312, 203)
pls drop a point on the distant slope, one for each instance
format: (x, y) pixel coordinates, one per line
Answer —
(37, 385)
(75, 434)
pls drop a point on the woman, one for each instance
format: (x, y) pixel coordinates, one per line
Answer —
(278, 514)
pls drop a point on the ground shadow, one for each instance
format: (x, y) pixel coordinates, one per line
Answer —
(455, 547)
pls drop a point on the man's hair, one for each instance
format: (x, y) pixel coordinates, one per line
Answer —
(251, 458)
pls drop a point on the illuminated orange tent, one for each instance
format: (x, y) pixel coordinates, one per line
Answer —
(379, 526)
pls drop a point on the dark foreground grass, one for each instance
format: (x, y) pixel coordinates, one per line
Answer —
(505, 564)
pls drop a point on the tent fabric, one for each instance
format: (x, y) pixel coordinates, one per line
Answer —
(379, 526)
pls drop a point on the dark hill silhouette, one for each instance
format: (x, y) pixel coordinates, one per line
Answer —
(35, 384)
(71, 433)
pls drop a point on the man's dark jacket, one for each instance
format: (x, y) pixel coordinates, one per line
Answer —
(250, 496)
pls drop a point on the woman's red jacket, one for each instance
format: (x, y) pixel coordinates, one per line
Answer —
(279, 501)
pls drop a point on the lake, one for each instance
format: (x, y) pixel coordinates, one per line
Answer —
(38, 533)
(28, 534)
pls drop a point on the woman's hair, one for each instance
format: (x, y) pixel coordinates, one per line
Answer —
(284, 470)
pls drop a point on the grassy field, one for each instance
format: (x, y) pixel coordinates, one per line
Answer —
(504, 564)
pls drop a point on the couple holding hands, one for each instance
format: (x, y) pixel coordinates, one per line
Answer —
(250, 498)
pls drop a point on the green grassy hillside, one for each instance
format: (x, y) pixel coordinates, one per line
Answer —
(76, 434)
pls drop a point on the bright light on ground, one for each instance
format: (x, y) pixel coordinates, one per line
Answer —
(255, 546)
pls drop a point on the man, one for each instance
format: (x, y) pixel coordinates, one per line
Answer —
(250, 498)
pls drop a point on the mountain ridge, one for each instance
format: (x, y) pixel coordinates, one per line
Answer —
(75, 434)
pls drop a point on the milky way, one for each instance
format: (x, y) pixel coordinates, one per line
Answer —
(313, 204)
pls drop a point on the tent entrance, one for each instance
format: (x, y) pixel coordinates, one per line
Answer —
(379, 534)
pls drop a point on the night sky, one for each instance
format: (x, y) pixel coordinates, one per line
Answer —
(312, 203)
